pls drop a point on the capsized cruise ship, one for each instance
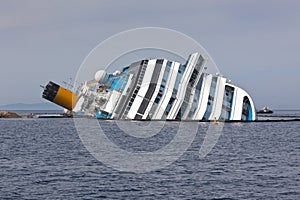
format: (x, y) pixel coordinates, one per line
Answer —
(157, 89)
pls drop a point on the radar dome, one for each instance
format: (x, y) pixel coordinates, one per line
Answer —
(99, 76)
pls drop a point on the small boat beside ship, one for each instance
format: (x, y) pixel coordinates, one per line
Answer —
(265, 110)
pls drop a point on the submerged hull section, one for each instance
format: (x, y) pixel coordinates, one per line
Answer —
(162, 90)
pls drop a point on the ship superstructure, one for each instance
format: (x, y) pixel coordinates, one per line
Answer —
(159, 89)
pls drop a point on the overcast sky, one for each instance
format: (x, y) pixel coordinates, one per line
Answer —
(255, 43)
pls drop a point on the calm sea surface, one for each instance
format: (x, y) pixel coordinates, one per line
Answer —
(45, 159)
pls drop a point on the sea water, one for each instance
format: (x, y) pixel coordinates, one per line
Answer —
(46, 159)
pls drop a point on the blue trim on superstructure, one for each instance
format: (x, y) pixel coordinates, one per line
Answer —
(118, 83)
(93, 88)
(102, 114)
(250, 114)
(125, 70)
(114, 84)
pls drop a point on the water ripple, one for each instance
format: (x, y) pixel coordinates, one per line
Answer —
(45, 159)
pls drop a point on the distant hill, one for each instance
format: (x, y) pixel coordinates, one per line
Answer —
(34, 106)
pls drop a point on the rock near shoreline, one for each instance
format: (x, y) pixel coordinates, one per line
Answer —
(6, 114)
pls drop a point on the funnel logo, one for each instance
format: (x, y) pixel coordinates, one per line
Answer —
(145, 146)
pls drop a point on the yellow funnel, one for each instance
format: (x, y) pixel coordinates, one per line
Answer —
(60, 95)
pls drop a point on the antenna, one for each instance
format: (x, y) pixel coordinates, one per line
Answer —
(68, 84)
